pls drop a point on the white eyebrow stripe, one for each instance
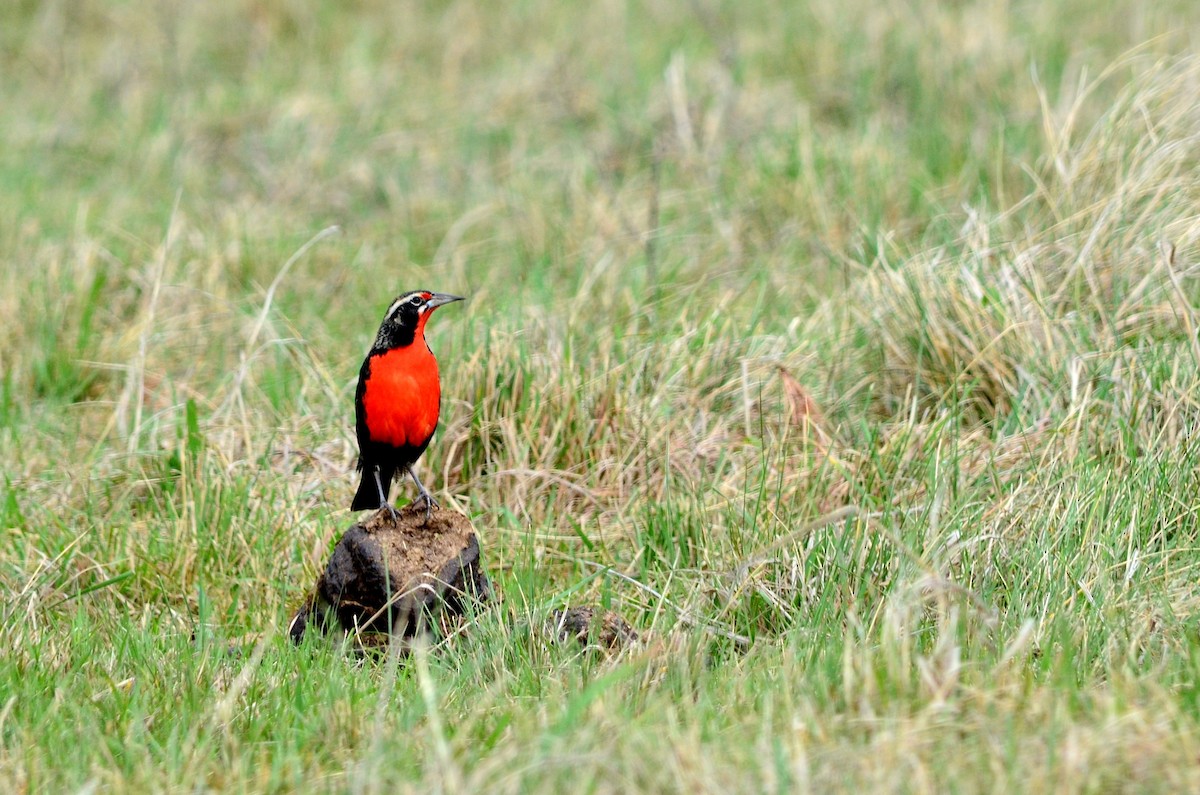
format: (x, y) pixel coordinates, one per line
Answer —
(399, 302)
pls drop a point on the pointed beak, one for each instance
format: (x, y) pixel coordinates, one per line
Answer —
(440, 299)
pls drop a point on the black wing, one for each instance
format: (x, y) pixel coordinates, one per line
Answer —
(360, 410)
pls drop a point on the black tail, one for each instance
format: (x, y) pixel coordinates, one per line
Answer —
(367, 495)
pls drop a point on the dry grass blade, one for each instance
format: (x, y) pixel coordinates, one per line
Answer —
(805, 413)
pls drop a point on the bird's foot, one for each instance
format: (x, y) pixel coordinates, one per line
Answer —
(430, 504)
(392, 511)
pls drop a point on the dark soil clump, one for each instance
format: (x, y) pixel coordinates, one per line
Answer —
(398, 578)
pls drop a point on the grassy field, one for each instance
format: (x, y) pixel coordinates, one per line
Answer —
(847, 349)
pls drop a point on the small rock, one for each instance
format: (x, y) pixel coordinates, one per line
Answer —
(588, 625)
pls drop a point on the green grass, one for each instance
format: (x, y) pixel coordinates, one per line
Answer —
(969, 230)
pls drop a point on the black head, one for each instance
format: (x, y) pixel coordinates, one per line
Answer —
(406, 318)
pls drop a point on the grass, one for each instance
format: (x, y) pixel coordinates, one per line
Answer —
(968, 231)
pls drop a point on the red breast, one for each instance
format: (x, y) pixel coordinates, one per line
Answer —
(403, 394)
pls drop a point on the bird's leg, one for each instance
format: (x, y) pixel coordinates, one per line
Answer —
(430, 502)
(382, 499)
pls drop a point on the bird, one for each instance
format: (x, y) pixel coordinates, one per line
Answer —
(398, 400)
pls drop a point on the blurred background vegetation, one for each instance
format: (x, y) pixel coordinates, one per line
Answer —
(967, 229)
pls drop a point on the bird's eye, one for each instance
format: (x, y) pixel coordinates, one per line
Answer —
(416, 300)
